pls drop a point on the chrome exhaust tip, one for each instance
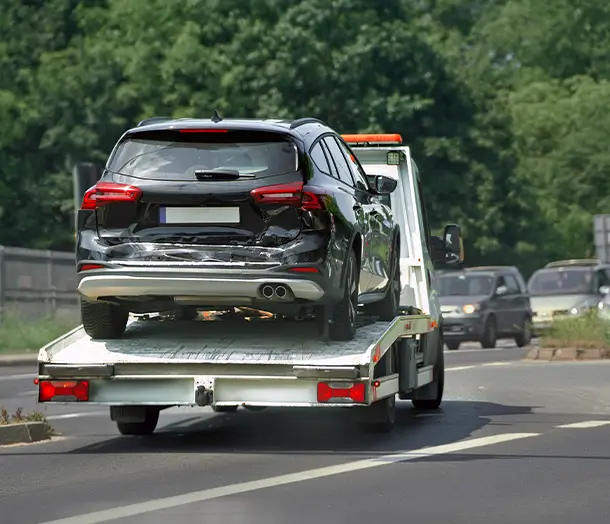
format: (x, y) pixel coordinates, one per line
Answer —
(267, 291)
(281, 291)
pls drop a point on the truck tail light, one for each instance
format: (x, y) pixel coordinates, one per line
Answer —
(68, 390)
(104, 193)
(295, 194)
(342, 392)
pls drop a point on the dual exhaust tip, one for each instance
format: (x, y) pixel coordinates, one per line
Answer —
(276, 292)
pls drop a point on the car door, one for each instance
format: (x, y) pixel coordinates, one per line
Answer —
(381, 223)
(500, 304)
(516, 303)
(360, 207)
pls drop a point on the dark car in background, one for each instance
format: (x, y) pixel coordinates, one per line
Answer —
(567, 289)
(484, 304)
(212, 214)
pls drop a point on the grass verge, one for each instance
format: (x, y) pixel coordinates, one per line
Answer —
(18, 336)
(588, 332)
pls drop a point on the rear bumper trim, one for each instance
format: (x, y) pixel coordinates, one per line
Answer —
(122, 285)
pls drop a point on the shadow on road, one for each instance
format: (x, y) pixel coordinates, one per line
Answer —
(278, 431)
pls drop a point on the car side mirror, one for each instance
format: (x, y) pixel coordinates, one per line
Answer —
(448, 250)
(604, 290)
(502, 290)
(381, 184)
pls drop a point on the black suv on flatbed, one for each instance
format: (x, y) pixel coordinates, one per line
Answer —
(483, 304)
(211, 214)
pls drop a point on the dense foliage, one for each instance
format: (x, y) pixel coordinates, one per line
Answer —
(503, 101)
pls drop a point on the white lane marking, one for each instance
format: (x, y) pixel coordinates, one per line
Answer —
(32, 393)
(77, 415)
(18, 377)
(496, 364)
(459, 351)
(140, 508)
(586, 424)
(459, 368)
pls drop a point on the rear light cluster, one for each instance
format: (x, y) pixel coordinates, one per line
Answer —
(342, 392)
(89, 267)
(295, 194)
(104, 193)
(63, 390)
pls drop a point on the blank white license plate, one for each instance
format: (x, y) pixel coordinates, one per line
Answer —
(199, 215)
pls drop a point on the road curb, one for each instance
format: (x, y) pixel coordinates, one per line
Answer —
(22, 359)
(567, 354)
(24, 433)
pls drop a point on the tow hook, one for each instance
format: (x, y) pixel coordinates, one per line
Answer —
(203, 396)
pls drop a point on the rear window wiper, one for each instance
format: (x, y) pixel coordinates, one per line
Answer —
(219, 174)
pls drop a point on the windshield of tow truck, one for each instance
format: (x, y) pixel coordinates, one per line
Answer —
(464, 285)
(560, 281)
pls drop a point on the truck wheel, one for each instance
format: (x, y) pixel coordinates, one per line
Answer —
(343, 325)
(453, 345)
(490, 334)
(225, 409)
(525, 335)
(435, 390)
(103, 321)
(381, 415)
(147, 427)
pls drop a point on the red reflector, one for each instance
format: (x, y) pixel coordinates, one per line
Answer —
(204, 130)
(304, 270)
(49, 390)
(104, 193)
(328, 391)
(87, 267)
(295, 194)
(377, 383)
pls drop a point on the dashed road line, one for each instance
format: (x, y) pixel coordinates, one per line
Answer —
(585, 424)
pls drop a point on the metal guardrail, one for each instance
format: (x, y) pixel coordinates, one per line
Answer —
(37, 283)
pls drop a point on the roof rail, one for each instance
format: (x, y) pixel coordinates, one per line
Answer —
(306, 120)
(153, 120)
(582, 262)
(488, 268)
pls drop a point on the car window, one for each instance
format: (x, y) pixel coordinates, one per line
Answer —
(345, 174)
(500, 281)
(512, 284)
(357, 171)
(331, 163)
(464, 285)
(601, 279)
(177, 156)
(319, 158)
(560, 281)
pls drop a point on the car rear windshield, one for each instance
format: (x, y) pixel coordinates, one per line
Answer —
(561, 282)
(464, 285)
(172, 155)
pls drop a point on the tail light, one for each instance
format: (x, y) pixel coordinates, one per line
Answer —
(89, 267)
(341, 392)
(104, 193)
(66, 390)
(296, 194)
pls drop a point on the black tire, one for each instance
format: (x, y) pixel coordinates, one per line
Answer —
(225, 409)
(381, 415)
(387, 309)
(103, 321)
(343, 325)
(147, 427)
(437, 386)
(525, 335)
(453, 345)
(490, 335)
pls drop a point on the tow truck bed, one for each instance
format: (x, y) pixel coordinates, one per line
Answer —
(233, 362)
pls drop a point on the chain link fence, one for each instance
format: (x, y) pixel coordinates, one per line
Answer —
(35, 284)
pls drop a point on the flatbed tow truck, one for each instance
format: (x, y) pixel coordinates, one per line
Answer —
(240, 359)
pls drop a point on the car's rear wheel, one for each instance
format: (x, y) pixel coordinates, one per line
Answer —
(146, 427)
(103, 321)
(453, 345)
(387, 309)
(343, 325)
(525, 335)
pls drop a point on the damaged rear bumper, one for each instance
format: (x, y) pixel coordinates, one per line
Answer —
(218, 287)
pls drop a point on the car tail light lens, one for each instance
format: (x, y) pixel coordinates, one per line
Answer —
(296, 194)
(63, 390)
(104, 193)
(304, 270)
(89, 267)
(341, 392)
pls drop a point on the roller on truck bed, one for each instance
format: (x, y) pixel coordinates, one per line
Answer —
(289, 358)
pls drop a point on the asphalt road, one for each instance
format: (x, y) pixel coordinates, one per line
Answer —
(515, 441)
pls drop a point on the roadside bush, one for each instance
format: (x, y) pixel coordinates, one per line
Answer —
(589, 332)
(17, 335)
